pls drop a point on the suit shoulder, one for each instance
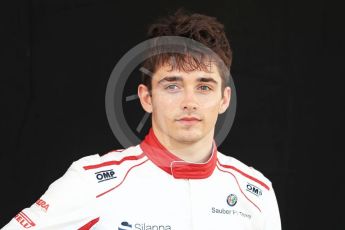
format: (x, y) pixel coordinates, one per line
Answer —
(119, 154)
(114, 157)
(244, 171)
(101, 173)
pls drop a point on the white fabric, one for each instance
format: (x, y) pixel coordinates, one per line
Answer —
(140, 195)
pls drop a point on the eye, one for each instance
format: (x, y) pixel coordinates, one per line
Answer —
(205, 88)
(171, 87)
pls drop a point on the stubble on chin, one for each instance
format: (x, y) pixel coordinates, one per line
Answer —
(187, 136)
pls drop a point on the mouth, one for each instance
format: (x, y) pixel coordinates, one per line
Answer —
(189, 120)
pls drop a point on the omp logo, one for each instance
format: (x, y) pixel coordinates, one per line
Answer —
(24, 220)
(42, 204)
(253, 189)
(105, 175)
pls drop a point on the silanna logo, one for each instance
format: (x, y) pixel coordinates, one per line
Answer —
(125, 226)
(253, 189)
(143, 226)
(105, 175)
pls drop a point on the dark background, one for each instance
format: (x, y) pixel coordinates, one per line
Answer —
(288, 67)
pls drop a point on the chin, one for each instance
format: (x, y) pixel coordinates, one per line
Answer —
(188, 136)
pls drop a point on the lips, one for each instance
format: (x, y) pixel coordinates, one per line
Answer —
(189, 121)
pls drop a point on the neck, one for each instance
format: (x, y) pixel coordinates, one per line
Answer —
(195, 152)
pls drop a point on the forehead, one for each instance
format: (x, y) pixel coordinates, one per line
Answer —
(168, 70)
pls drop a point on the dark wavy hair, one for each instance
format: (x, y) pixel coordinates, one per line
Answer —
(201, 28)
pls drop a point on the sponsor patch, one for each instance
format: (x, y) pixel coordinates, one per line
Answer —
(44, 205)
(143, 226)
(24, 220)
(232, 200)
(254, 189)
(105, 175)
(231, 212)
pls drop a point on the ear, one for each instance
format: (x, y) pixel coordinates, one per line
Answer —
(145, 98)
(225, 101)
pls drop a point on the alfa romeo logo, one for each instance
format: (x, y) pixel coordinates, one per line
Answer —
(231, 200)
(128, 128)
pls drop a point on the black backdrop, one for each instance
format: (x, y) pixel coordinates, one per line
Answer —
(288, 66)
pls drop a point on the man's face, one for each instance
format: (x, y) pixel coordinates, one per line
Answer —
(185, 105)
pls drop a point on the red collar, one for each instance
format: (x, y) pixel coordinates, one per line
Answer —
(173, 165)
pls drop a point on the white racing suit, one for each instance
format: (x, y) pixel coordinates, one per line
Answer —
(145, 187)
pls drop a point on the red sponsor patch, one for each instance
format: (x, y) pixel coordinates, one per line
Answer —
(24, 220)
(42, 204)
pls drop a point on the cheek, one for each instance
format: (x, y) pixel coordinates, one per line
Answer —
(211, 109)
(211, 105)
(165, 103)
(163, 108)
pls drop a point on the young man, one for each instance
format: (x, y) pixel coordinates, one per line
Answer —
(175, 178)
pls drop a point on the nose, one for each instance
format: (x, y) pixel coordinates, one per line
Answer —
(189, 101)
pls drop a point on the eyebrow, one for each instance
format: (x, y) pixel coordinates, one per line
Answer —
(180, 79)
